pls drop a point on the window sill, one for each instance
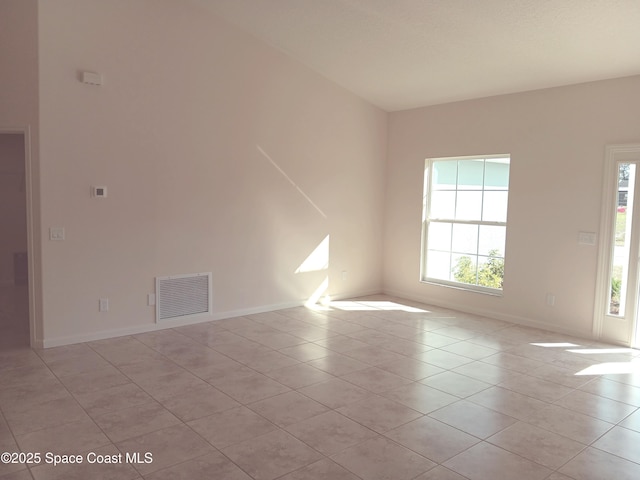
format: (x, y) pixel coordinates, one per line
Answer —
(465, 288)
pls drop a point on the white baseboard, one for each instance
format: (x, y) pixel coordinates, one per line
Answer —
(150, 327)
(164, 324)
(515, 319)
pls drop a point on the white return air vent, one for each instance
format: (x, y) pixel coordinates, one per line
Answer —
(182, 296)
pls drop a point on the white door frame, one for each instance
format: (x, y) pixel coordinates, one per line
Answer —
(29, 186)
(613, 328)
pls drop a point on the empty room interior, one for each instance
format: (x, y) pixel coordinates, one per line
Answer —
(319, 239)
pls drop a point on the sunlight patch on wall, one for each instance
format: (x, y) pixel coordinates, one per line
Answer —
(316, 296)
(318, 259)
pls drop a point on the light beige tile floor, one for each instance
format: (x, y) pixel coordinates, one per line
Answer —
(372, 389)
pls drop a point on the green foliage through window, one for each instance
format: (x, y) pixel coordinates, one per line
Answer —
(490, 274)
(616, 285)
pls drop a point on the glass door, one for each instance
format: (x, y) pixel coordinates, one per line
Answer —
(616, 306)
(621, 255)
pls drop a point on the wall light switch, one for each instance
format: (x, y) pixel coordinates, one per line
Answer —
(586, 238)
(56, 233)
(91, 78)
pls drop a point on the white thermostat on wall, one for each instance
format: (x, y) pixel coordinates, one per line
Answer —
(100, 192)
(91, 78)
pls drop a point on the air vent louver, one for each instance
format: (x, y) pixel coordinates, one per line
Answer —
(180, 296)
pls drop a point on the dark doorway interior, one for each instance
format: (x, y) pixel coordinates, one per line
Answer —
(14, 289)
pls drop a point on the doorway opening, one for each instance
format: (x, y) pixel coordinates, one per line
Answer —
(14, 245)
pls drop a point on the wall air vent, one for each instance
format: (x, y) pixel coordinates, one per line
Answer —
(182, 296)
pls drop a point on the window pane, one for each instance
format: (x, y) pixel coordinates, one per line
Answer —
(438, 265)
(469, 205)
(465, 239)
(443, 204)
(622, 249)
(444, 175)
(494, 206)
(464, 215)
(496, 174)
(490, 272)
(492, 239)
(439, 236)
(465, 269)
(470, 174)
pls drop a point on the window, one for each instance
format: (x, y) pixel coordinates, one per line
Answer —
(465, 221)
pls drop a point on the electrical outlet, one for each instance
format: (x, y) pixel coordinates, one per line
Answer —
(551, 299)
(104, 305)
(56, 233)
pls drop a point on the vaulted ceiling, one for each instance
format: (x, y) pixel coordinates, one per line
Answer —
(401, 54)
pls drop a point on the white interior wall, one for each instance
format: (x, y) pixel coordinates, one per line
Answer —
(556, 138)
(178, 132)
(219, 154)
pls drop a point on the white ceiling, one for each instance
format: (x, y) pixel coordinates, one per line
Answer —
(401, 54)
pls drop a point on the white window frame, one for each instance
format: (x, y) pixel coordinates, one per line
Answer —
(426, 220)
(621, 329)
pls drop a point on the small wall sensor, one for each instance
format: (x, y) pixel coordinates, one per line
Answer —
(100, 192)
(91, 78)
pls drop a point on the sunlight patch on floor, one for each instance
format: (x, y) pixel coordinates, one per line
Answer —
(375, 305)
(555, 345)
(611, 368)
(593, 351)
